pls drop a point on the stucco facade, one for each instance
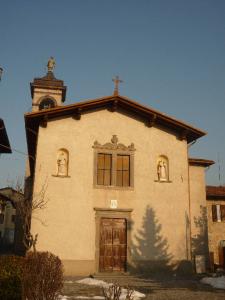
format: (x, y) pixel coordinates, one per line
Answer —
(159, 214)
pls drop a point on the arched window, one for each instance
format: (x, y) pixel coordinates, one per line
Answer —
(163, 168)
(62, 162)
(46, 103)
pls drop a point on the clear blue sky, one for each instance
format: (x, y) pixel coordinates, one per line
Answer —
(170, 54)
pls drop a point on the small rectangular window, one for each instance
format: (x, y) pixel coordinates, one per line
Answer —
(104, 169)
(123, 170)
(218, 213)
(13, 218)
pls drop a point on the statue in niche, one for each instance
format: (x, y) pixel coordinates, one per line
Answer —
(62, 164)
(162, 170)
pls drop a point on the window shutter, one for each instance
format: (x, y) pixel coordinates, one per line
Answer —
(214, 213)
(126, 170)
(222, 211)
(104, 169)
(100, 169)
(123, 170)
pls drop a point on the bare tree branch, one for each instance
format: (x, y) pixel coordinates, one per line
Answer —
(27, 207)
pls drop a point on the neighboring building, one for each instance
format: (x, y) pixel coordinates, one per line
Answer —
(122, 193)
(4, 204)
(216, 224)
(8, 200)
(4, 141)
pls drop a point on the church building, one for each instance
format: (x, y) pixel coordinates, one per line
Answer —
(122, 192)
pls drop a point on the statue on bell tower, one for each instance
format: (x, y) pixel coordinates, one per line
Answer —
(51, 64)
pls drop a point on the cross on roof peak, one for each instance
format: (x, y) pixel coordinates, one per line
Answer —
(116, 81)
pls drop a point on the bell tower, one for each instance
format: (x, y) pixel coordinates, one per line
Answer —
(47, 92)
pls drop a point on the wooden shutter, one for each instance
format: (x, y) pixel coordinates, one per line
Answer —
(119, 172)
(107, 173)
(222, 212)
(123, 170)
(126, 170)
(104, 169)
(214, 213)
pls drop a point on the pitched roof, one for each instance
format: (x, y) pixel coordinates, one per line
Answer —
(148, 115)
(200, 162)
(4, 141)
(215, 192)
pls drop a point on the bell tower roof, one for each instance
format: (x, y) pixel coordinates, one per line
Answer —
(48, 82)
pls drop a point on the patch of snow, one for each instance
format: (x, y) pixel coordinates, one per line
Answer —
(135, 295)
(216, 282)
(91, 281)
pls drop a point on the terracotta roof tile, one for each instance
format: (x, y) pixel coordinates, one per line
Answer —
(215, 192)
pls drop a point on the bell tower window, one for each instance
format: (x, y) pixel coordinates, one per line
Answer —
(46, 103)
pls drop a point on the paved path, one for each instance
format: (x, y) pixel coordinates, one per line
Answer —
(155, 289)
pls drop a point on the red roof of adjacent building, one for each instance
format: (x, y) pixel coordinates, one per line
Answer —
(215, 192)
(200, 162)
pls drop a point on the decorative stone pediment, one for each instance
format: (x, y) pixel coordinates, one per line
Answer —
(114, 145)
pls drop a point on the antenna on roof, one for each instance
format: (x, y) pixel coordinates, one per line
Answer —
(219, 170)
(116, 81)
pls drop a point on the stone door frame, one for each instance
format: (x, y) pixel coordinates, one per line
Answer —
(112, 214)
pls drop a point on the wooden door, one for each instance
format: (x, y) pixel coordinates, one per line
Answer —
(113, 245)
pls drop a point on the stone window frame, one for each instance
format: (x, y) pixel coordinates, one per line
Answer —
(114, 148)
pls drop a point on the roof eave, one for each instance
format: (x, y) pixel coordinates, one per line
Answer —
(150, 117)
(200, 162)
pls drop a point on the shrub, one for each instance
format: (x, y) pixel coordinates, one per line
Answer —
(10, 277)
(42, 276)
(115, 292)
